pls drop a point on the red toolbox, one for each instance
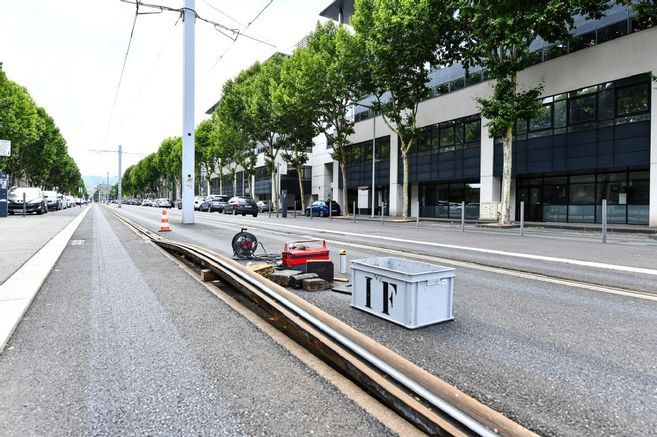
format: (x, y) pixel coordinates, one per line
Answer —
(296, 253)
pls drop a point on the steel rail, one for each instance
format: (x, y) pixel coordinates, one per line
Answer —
(469, 416)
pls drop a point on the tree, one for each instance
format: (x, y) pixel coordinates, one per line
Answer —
(496, 36)
(204, 149)
(263, 122)
(18, 123)
(328, 73)
(400, 38)
(297, 112)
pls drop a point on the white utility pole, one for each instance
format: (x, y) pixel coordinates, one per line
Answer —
(120, 195)
(189, 18)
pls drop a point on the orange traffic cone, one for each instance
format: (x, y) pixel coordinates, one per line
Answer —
(164, 225)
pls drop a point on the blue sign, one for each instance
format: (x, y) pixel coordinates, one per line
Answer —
(4, 182)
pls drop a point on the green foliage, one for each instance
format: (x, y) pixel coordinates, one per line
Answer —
(399, 39)
(39, 152)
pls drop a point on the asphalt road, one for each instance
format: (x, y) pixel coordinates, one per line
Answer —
(121, 341)
(558, 359)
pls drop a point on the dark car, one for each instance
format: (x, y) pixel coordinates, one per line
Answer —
(241, 205)
(34, 201)
(319, 208)
(214, 202)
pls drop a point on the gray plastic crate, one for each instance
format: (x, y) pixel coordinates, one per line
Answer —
(410, 293)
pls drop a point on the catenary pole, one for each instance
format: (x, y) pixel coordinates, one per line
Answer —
(120, 191)
(189, 17)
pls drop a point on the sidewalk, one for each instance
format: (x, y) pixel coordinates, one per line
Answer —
(21, 237)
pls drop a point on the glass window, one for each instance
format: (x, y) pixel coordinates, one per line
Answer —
(443, 88)
(606, 105)
(560, 113)
(473, 131)
(521, 127)
(583, 41)
(367, 151)
(582, 109)
(458, 134)
(543, 119)
(383, 148)
(457, 84)
(356, 153)
(555, 51)
(612, 31)
(632, 99)
(582, 194)
(447, 137)
(472, 78)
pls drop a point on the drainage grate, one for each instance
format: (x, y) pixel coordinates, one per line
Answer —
(77, 242)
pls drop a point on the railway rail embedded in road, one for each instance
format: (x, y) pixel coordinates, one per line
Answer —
(423, 399)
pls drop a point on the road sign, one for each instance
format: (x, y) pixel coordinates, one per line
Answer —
(282, 168)
(5, 148)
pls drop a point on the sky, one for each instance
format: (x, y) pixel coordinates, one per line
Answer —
(69, 55)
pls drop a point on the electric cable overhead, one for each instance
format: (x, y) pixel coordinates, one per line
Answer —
(221, 12)
(231, 45)
(125, 60)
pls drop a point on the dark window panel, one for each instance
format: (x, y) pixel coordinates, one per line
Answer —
(633, 99)
(582, 109)
(612, 31)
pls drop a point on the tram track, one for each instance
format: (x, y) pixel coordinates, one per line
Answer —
(424, 400)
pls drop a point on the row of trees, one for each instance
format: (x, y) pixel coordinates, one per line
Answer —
(281, 104)
(38, 150)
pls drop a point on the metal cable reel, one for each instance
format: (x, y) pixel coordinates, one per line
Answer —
(244, 245)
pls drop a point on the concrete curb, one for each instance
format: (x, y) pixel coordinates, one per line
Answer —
(19, 290)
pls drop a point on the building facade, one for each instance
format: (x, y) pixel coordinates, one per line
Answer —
(595, 139)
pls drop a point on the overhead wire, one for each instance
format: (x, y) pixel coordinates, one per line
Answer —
(125, 60)
(222, 12)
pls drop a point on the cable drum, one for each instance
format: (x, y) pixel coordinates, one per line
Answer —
(244, 245)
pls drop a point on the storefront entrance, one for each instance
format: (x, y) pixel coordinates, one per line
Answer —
(578, 198)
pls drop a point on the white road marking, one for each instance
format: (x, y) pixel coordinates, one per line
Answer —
(592, 264)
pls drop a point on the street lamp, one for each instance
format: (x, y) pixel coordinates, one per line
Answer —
(373, 156)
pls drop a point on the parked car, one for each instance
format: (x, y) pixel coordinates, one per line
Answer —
(319, 208)
(34, 200)
(241, 205)
(70, 200)
(163, 202)
(52, 200)
(214, 202)
(265, 205)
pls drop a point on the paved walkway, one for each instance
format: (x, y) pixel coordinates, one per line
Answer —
(121, 341)
(21, 237)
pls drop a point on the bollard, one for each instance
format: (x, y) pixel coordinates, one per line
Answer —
(343, 261)
(24, 204)
(330, 205)
(353, 210)
(269, 209)
(277, 208)
(522, 219)
(604, 220)
(462, 216)
(383, 205)
(295, 209)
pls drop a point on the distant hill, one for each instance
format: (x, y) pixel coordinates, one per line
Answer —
(94, 181)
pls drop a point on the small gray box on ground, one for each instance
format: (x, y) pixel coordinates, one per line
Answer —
(296, 281)
(315, 284)
(282, 277)
(410, 293)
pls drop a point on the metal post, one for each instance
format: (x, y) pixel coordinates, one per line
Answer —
(25, 205)
(330, 209)
(353, 209)
(120, 187)
(462, 216)
(373, 161)
(269, 209)
(604, 220)
(295, 207)
(417, 219)
(383, 205)
(522, 218)
(189, 18)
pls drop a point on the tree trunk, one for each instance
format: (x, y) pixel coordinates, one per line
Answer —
(406, 201)
(235, 184)
(345, 194)
(301, 193)
(507, 140)
(251, 187)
